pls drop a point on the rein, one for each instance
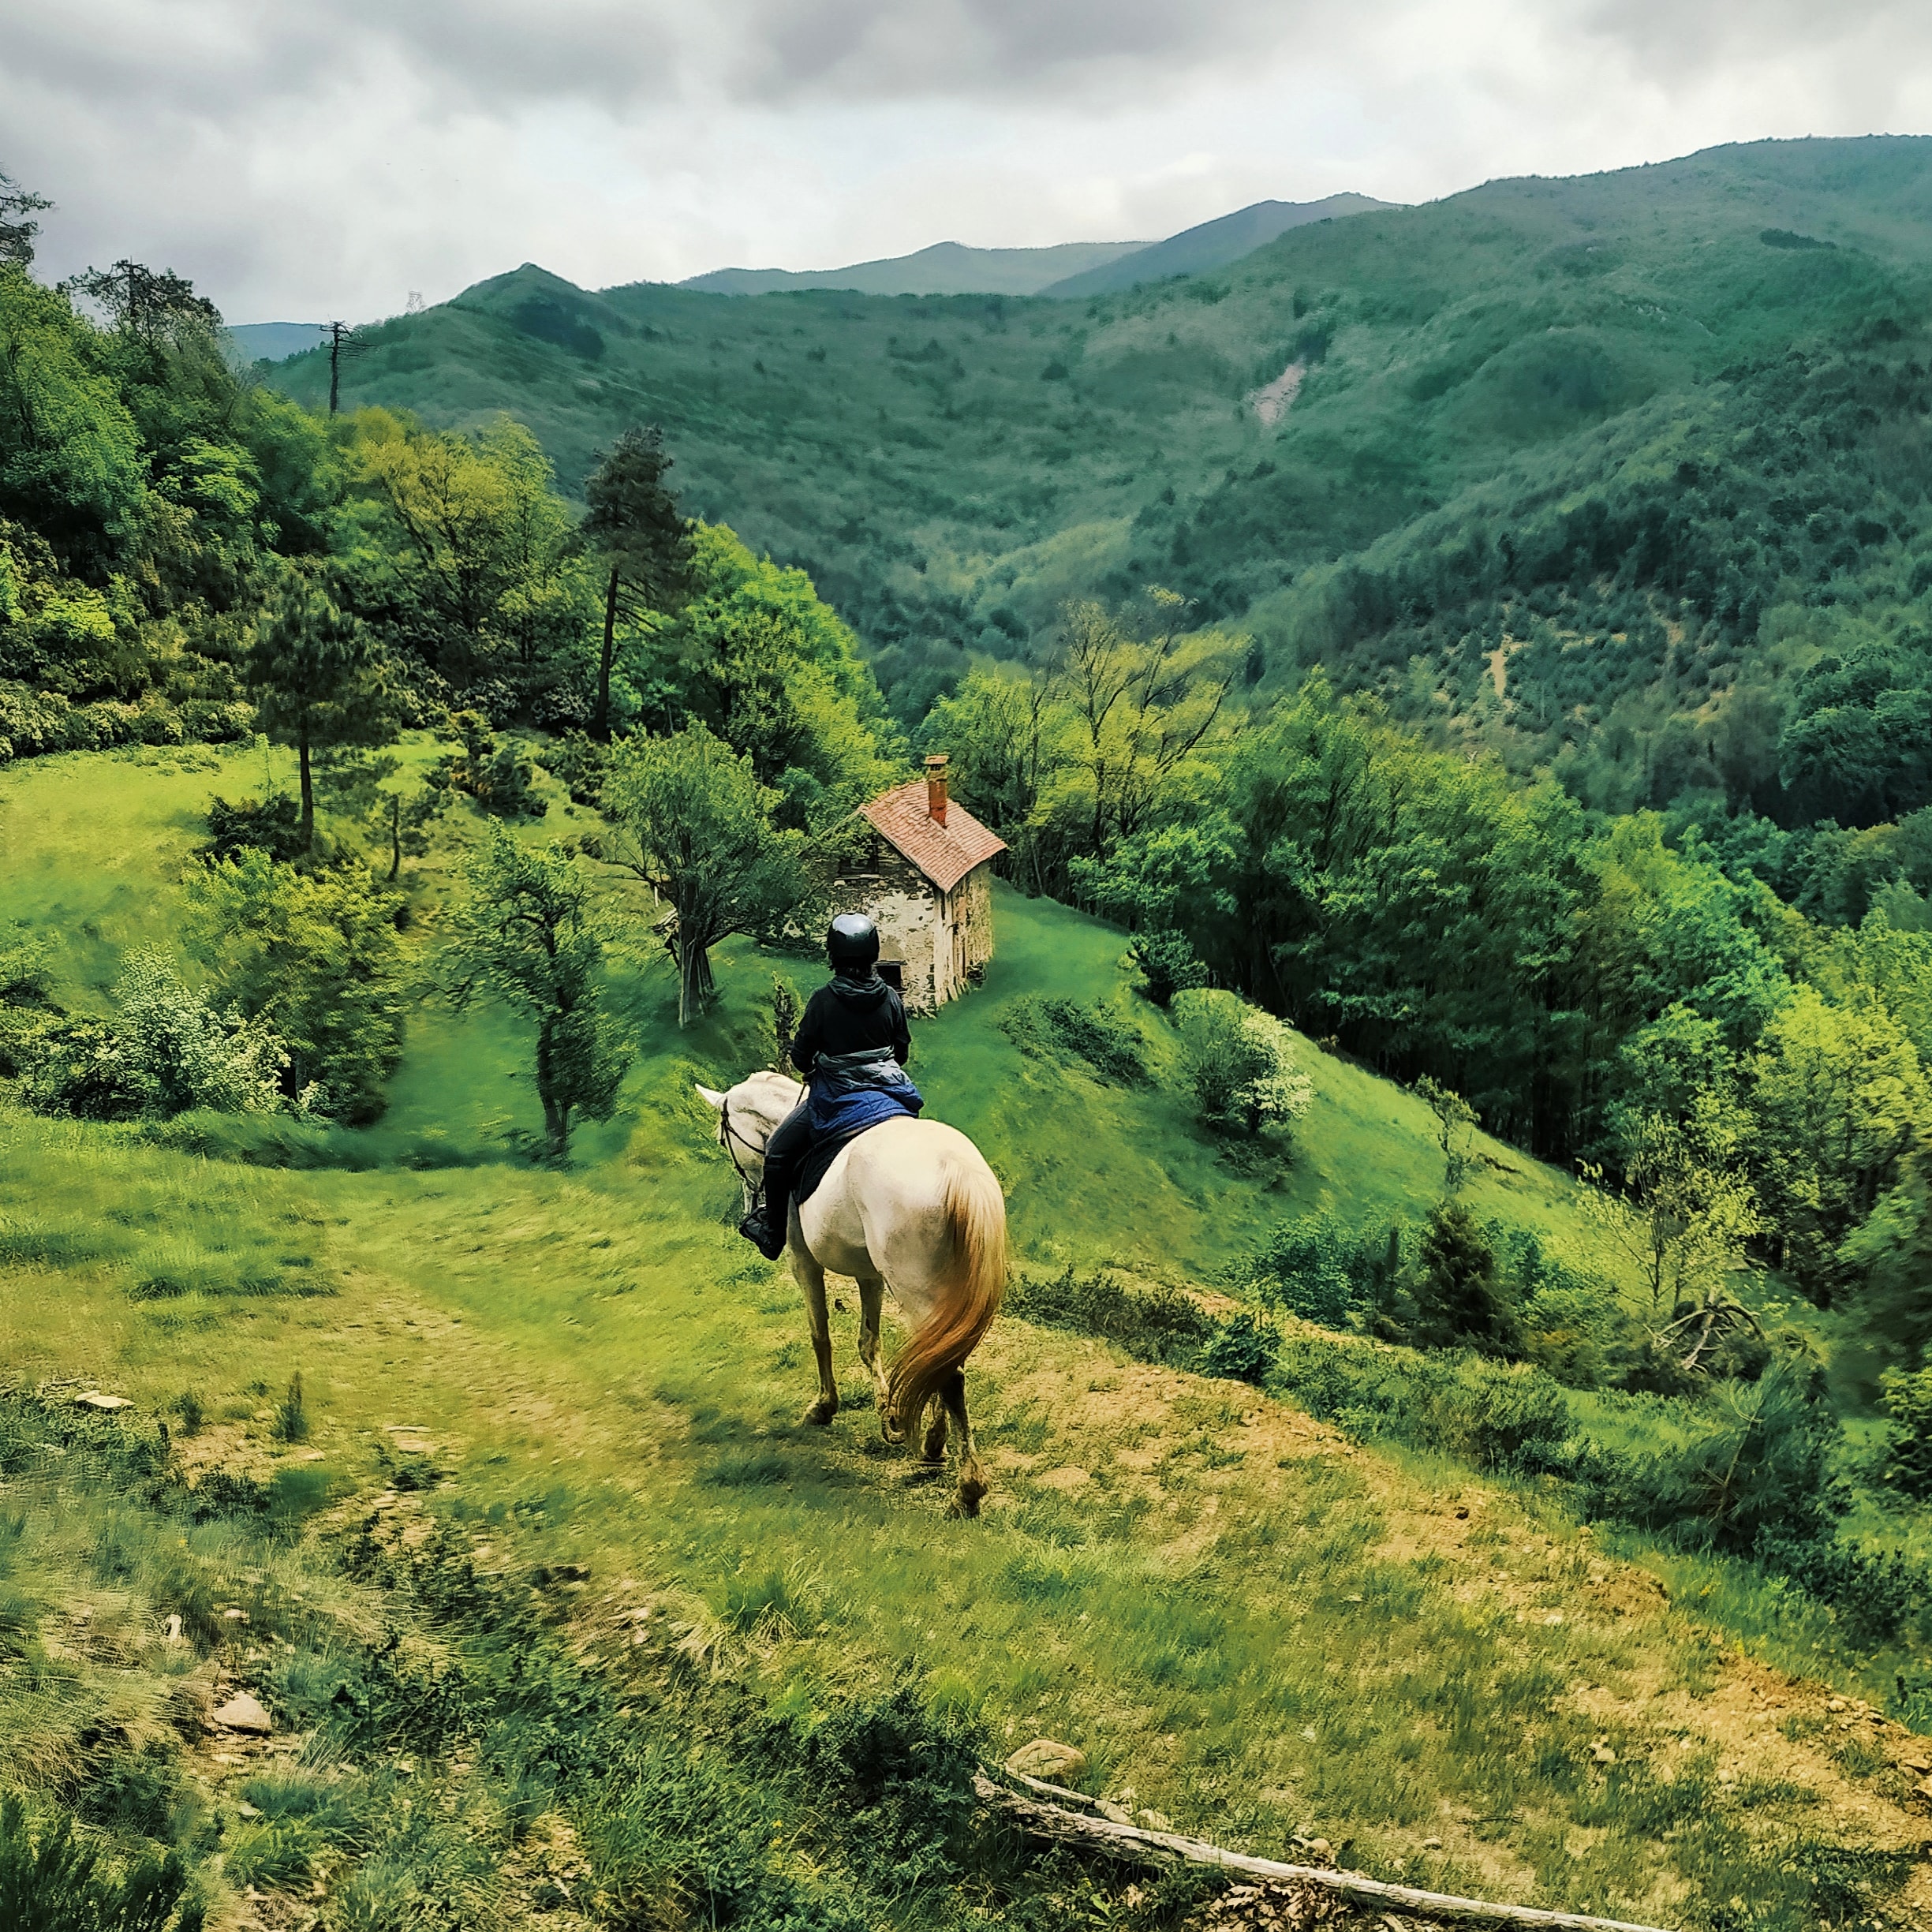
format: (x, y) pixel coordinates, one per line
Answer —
(727, 1134)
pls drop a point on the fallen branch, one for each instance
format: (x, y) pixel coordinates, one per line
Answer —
(1049, 1817)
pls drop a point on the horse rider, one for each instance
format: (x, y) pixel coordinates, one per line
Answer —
(851, 1046)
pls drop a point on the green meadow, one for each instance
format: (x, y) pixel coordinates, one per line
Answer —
(564, 1617)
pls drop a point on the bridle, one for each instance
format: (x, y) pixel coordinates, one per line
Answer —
(727, 1134)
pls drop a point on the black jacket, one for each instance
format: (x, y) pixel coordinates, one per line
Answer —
(849, 1014)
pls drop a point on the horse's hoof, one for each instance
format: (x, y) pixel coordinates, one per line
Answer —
(933, 1458)
(966, 1503)
(890, 1429)
(820, 1413)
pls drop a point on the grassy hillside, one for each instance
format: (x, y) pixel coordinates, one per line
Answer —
(561, 1408)
(950, 469)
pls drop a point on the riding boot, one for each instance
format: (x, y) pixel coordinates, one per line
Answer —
(768, 1225)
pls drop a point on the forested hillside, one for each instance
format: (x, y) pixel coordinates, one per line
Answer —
(1622, 418)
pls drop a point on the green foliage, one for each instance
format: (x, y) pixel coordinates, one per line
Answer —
(167, 1049)
(1907, 1397)
(1460, 1296)
(1239, 1062)
(1060, 1030)
(318, 681)
(691, 819)
(316, 957)
(51, 1881)
(1168, 966)
(1755, 1462)
(1153, 1324)
(528, 933)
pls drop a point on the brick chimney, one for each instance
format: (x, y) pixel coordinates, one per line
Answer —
(936, 787)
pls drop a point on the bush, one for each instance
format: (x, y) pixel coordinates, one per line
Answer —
(1873, 1596)
(1239, 1062)
(167, 1050)
(1156, 1324)
(1242, 1349)
(1460, 1296)
(1168, 965)
(49, 1881)
(273, 825)
(1315, 1267)
(1064, 1029)
(1906, 1399)
(1755, 1466)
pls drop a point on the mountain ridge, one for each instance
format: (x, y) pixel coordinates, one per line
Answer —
(941, 268)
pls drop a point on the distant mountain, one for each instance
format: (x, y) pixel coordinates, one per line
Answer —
(945, 268)
(274, 342)
(1212, 245)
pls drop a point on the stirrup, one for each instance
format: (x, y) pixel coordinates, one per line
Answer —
(755, 1230)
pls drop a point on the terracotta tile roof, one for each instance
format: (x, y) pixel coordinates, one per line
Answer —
(945, 854)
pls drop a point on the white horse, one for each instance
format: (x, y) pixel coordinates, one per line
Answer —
(908, 1203)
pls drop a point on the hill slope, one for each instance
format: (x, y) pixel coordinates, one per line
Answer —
(945, 268)
(579, 1390)
(950, 469)
(1210, 245)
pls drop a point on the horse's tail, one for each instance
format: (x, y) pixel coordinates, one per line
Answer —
(975, 1282)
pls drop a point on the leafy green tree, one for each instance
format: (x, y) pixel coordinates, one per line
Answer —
(319, 680)
(1906, 1399)
(1456, 1128)
(18, 229)
(641, 539)
(690, 819)
(317, 958)
(475, 572)
(528, 932)
(1460, 1294)
(1836, 1098)
(1240, 1062)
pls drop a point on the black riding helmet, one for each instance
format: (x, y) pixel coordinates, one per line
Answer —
(851, 943)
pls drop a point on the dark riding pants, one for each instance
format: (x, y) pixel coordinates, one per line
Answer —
(782, 1152)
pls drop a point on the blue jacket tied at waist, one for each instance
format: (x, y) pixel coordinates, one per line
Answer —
(854, 1090)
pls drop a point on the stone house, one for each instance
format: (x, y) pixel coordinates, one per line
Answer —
(925, 877)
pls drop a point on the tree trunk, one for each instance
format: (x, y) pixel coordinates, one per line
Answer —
(556, 1113)
(600, 724)
(309, 793)
(694, 981)
(395, 836)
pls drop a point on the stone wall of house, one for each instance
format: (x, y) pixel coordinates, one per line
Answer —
(941, 940)
(904, 906)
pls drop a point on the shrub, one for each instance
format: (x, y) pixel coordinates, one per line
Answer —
(1908, 1400)
(1460, 1296)
(1755, 1464)
(50, 1881)
(167, 1050)
(1064, 1029)
(1315, 1267)
(1168, 964)
(1242, 1348)
(273, 825)
(1873, 1595)
(1155, 1325)
(1239, 1062)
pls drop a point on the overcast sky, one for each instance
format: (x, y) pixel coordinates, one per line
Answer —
(327, 158)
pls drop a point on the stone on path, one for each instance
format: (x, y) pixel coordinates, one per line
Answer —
(1044, 1758)
(242, 1713)
(95, 1399)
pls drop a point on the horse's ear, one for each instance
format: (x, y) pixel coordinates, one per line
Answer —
(711, 1096)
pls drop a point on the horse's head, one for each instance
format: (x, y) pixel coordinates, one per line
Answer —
(747, 1114)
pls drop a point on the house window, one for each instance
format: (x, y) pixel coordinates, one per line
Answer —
(890, 971)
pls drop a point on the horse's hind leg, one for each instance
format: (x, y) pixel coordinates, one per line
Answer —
(972, 1477)
(933, 1450)
(811, 1278)
(871, 1305)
